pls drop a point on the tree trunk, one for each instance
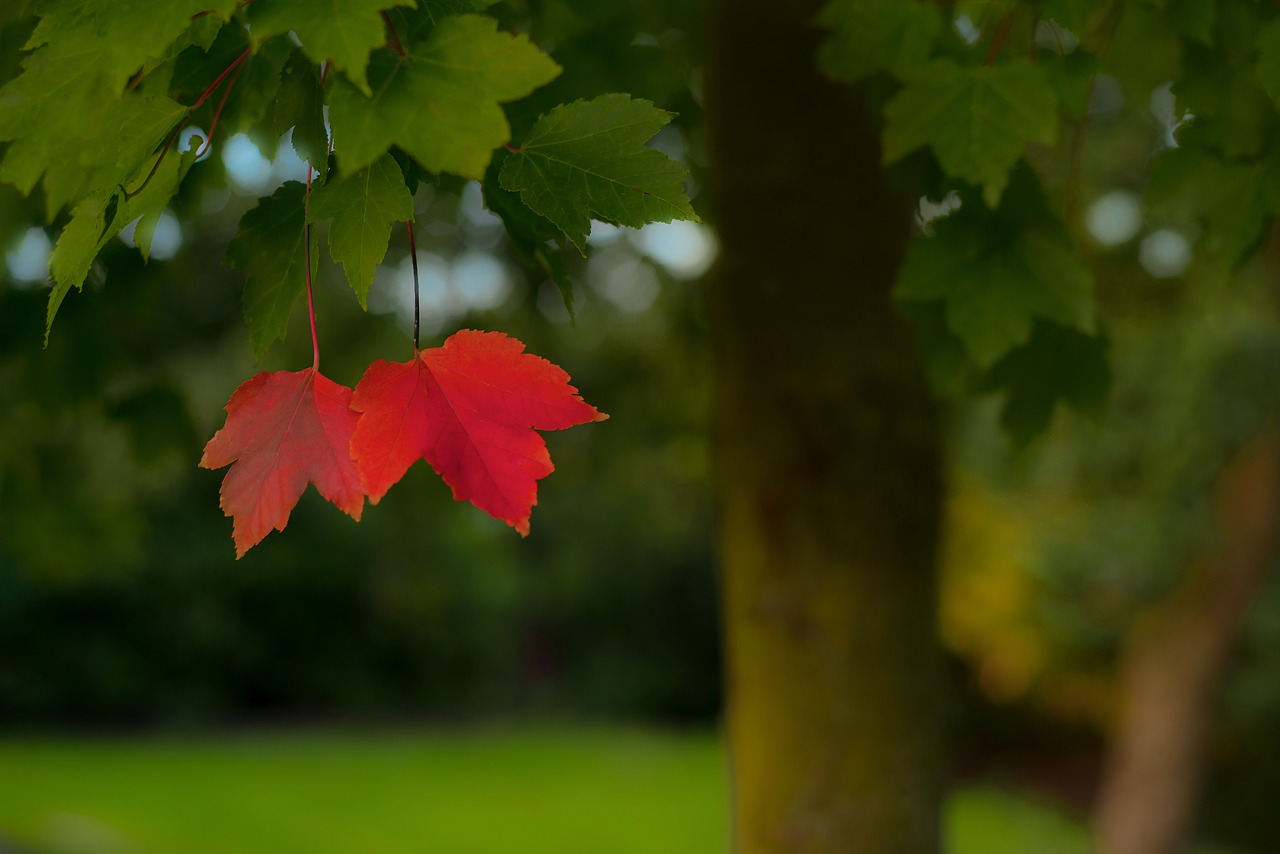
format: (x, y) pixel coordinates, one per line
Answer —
(826, 460)
(1176, 660)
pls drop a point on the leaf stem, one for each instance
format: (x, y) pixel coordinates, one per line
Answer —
(395, 43)
(235, 66)
(222, 102)
(413, 256)
(168, 143)
(306, 247)
(235, 63)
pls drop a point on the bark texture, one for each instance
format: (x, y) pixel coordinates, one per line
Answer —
(826, 461)
(1176, 661)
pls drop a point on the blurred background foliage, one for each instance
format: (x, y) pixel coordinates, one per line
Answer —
(121, 605)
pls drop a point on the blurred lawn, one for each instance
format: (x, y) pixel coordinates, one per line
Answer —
(487, 791)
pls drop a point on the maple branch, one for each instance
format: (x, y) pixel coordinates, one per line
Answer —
(413, 255)
(395, 43)
(306, 247)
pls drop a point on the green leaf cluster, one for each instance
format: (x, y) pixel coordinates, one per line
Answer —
(587, 160)
(394, 92)
(71, 118)
(998, 272)
(1004, 104)
(440, 101)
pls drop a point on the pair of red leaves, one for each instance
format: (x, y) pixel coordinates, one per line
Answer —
(469, 408)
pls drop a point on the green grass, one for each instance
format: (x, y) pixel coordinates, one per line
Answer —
(489, 791)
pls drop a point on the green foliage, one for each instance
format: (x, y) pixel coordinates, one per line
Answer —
(440, 101)
(587, 160)
(976, 120)
(1070, 14)
(115, 39)
(998, 271)
(82, 56)
(1269, 59)
(299, 106)
(531, 235)
(342, 33)
(973, 94)
(1056, 365)
(99, 217)
(363, 207)
(78, 245)
(411, 89)
(877, 35)
(269, 246)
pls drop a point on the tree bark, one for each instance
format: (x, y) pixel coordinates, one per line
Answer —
(826, 462)
(1175, 662)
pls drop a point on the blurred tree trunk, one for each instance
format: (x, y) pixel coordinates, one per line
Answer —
(826, 460)
(1176, 660)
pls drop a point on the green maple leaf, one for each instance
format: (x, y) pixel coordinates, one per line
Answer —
(299, 105)
(363, 207)
(587, 160)
(92, 224)
(161, 189)
(33, 130)
(440, 101)
(1057, 365)
(269, 246)
(977, 121)
(98, 217)
(139, 125)
(997, 272)
(530, 235)
(877, 35)
(116, 37)
(344, 33)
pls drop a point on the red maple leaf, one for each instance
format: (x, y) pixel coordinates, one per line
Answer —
(284, 430)
(469, 408)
